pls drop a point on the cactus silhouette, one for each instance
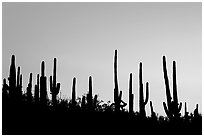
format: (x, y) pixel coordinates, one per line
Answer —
(153, 114)
(29, 89)
(142, 103)
(117, 95)
(54, 87)
(36, 95)
(19, 84)
(95, 102)
(89, 95)
(131, 96)
(12, 78)
(173, 110)
(196, 111)
(74, 93)
(22, 118)
(5, 88)
(43, 85)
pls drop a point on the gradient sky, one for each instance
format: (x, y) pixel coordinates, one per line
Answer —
(83, 37)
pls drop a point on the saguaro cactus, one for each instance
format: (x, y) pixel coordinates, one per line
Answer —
(54, 86)
(43, 85)
(29, 89)
(142, 103)
(36, 95)
(173, 110)
(74, 93)
(12, 78)
(131, 96)
(19, 85)
(117, 97)
(89, 95)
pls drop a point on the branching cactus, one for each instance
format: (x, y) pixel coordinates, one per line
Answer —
(117, 97)
(142, 103)
(36, 95)
(131, 96)
(43, 85)
(54, 86)
(74, 93)
(172, 108)
(29, 89)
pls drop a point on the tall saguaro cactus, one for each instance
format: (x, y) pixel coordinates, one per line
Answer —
(54, 86)
(173, 109)
(43, 85)
(142, 103)
(131, 96)
(89, 95)
(117, 97)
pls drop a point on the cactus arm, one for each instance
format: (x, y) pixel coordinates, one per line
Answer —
(58, 87)
(18, 77)
(21, 81)
(51, 88)
(168, 95)
(120, 95)
(95, 101)
(166, 110)
(151, 107)
(147, 93)
(179, 108)
(38, 80)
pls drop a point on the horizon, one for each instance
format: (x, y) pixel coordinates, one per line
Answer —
(83, 37)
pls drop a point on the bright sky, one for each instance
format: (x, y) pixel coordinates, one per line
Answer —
(83, 37)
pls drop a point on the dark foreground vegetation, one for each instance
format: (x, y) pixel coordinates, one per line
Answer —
(28, 113)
